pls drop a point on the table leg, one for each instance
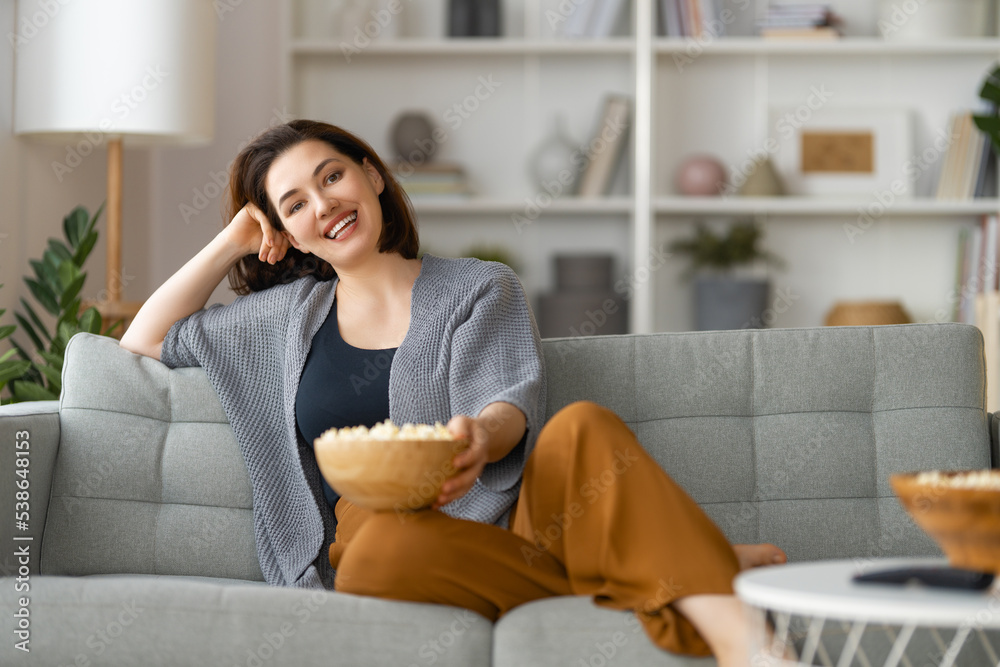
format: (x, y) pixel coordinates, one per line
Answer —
(956, 645)
(988, 647)
(851, 645)
(812, 640)
(899, 646)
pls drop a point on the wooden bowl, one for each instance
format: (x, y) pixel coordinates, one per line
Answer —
(866, 313)
(964, 521)
(401, 475)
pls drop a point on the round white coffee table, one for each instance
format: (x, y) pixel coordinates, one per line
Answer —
(823, 592)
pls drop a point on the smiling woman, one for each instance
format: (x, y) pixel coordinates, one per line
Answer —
(322, 247)
(249, 185)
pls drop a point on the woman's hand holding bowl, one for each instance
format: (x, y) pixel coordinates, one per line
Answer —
(470, 462)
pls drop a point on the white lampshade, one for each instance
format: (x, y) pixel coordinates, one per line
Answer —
(140, 68)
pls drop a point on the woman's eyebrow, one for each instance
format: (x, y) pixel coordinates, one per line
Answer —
(316, 171)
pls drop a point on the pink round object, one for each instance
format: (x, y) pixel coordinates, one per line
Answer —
(701, 176)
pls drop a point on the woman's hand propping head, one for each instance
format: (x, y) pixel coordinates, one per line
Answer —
(252, 231)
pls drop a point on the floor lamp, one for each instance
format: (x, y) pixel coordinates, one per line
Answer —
(104, 72)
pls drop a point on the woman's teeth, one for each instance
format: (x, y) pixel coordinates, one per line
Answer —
(340, 225)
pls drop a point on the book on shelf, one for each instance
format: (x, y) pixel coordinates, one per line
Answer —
(575, 24)
(670, 18)
(968, 168)
(690, 18)
(432, 179)
(978, 295)
(591, 18)
(799, 21)
(606, 149)
(978, 266)
(819, 33)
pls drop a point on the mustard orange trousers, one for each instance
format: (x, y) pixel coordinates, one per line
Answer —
(596, 515)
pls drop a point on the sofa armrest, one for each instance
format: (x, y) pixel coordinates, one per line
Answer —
(28, 431)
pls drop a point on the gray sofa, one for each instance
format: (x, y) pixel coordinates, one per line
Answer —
(140, 541)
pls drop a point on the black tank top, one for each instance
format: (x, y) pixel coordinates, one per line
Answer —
(341, 385)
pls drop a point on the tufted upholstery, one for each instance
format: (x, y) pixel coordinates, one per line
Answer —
(789, 435)
(149, 478)
(782, 435)
(786, 436)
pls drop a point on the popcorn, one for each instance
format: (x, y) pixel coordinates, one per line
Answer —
(975, 479)
(388, 431)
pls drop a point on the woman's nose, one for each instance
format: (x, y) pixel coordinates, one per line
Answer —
(327, 205)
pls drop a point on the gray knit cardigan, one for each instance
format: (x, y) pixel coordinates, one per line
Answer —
(472, 341)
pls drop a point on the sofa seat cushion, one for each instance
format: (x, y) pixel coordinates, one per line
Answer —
(575, 631)
(148, 620)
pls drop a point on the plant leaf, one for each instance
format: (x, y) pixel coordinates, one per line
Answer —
(90, 321)
(29, 391)
(72, 291)
(20, 350)
(38, 322)
(66, 331)
(72, 225)
(45, 272)
(28, 329)
(7, 355)
(51, 374)
(7, 330)
(990, 91)
(93, 220)
(44, 295)
(68, 272)
(60, 249)
(54, 360)
(113, 327)
(12, 370)
(83, 250)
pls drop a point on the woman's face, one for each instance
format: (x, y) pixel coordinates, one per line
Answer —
(327, 202)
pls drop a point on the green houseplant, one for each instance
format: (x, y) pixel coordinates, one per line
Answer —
(10, 369)
(990, 123)
(56, 285)
(723, 299)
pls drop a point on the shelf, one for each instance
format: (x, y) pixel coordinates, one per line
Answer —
(503, 206)
(874, 46)
(469, 47)
(820, 206)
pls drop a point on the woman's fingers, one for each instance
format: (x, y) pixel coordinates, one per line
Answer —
(273, 244)
(458, 485)
(468, 463)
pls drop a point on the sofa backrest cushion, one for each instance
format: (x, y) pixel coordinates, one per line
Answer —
(789, 435)
(148, 478)
(785, 436)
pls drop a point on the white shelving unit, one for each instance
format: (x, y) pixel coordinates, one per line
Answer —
(718, 102)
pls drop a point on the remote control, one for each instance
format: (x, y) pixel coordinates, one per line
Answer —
(938, 576)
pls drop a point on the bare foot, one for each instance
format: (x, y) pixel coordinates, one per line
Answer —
(755, 555)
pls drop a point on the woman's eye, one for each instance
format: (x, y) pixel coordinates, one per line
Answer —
(294, 208)
(334, 176)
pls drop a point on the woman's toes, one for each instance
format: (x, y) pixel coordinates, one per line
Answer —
(756, 555)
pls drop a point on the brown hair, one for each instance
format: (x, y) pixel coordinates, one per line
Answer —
(246, 184)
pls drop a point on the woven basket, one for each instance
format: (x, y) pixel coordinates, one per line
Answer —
(866, 313)
(965, 522)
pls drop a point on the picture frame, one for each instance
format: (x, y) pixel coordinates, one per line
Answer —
(835, 151)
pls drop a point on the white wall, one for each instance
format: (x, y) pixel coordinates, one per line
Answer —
(186, 201)
(157, 239)
(35, 199)
(9, 191)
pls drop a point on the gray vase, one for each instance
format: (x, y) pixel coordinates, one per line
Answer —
(722, 302)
